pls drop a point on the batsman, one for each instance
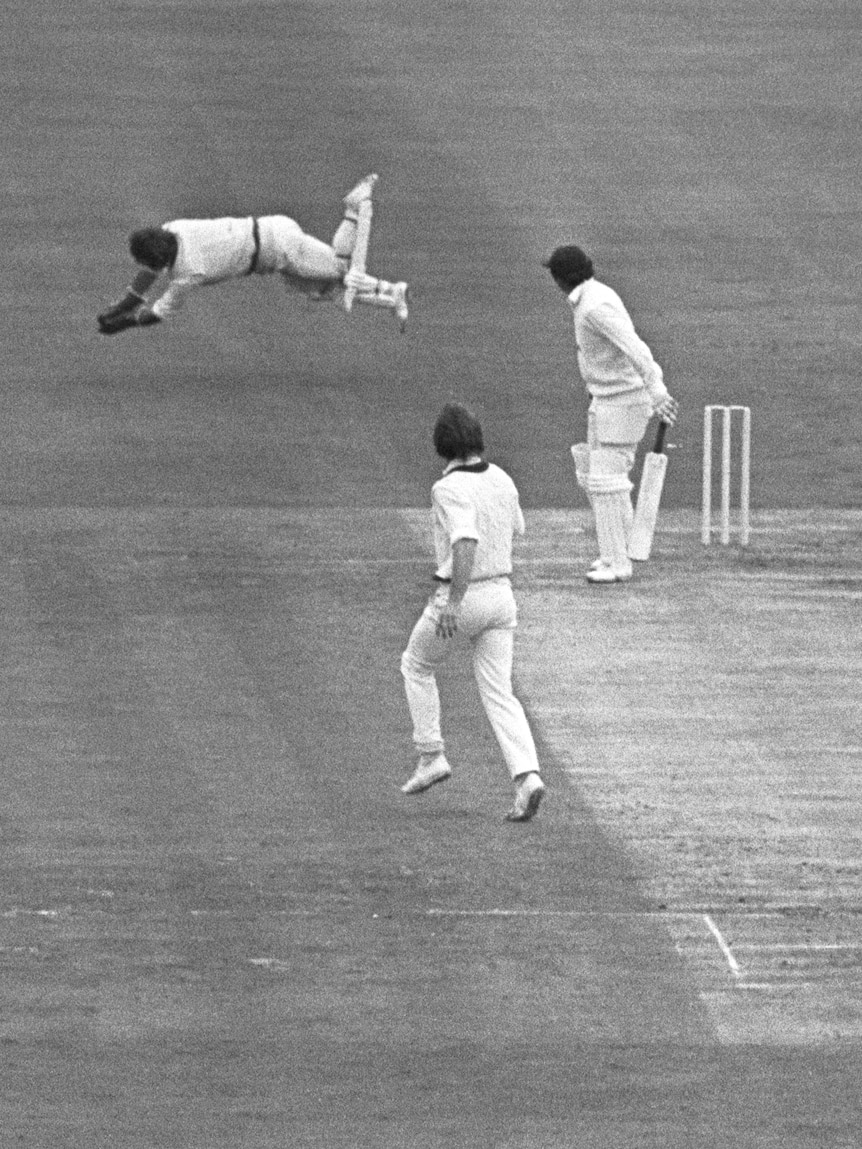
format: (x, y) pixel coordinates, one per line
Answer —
(189, 253)
(626, 388)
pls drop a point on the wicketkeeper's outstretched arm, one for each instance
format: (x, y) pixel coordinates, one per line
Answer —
(125, 312)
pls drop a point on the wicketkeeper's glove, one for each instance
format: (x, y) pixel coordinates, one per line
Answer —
(110, 323)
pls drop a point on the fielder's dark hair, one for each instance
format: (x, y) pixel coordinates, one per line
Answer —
(570, 265)
(154, 247)
(457, 433)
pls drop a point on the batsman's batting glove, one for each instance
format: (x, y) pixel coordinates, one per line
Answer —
(667, 410)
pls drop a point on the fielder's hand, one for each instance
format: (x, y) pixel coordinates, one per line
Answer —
(667, 410)
(447, 620)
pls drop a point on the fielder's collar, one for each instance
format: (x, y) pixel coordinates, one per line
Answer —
(472, 463)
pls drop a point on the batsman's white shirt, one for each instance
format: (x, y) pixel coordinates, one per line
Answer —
(478, 503)
(612, 358)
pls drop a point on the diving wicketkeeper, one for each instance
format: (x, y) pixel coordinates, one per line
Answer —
(191, 253)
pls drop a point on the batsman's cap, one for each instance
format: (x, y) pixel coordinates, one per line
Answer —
(569, 264)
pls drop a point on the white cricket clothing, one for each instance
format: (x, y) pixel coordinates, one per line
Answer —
(214, 250)
(479, 502)
(612, 358)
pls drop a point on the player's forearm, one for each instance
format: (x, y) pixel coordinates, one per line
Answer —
(463, 559)
(174, 297)
(143, 281)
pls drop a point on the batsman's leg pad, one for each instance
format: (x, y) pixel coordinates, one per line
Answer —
(628, 512)
(608, 472)
(581, 457)
(609, 486)
(611, 533)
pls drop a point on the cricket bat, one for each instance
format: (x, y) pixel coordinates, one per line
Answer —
(649, 498)
(360, 248)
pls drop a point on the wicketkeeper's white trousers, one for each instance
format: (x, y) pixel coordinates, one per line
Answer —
(488, 619)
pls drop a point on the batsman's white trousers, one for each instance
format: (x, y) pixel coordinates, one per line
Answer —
(488, 619)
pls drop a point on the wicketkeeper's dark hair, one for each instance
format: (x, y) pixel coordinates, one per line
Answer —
(154, 247)
(457, 433)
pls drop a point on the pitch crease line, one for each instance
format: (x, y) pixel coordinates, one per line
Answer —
(722, 944)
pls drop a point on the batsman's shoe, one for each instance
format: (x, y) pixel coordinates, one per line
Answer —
(363, 191)
(432, 768)
(401, 304)
(603, 574)
(527, 799)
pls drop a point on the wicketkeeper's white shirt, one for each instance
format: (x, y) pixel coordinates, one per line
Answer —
(209, 251)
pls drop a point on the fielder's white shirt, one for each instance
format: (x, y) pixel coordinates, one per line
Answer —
(481, 505)
(612, 358)
(209, 251)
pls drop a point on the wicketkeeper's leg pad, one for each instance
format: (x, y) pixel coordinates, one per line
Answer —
(380, 293)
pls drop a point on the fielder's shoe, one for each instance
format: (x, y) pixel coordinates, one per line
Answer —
(401, 296)
(360, 193)
(432, 768)
(527, 799)
(603, 573)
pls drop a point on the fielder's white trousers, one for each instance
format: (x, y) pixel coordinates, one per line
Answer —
(488, 619)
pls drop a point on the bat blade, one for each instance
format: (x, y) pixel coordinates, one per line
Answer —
(360, 248)
(649, 500)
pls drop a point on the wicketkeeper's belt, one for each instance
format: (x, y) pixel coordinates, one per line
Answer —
(255, 231)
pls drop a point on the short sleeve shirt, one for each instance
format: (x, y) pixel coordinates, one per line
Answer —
(480, 502)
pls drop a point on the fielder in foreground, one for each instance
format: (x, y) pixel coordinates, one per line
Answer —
(627, 387)
(476, 513)
(192, 253)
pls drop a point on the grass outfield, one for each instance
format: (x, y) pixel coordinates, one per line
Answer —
(223, 927)
(222, 924)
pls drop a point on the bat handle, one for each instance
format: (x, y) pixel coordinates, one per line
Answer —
(659, 437)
